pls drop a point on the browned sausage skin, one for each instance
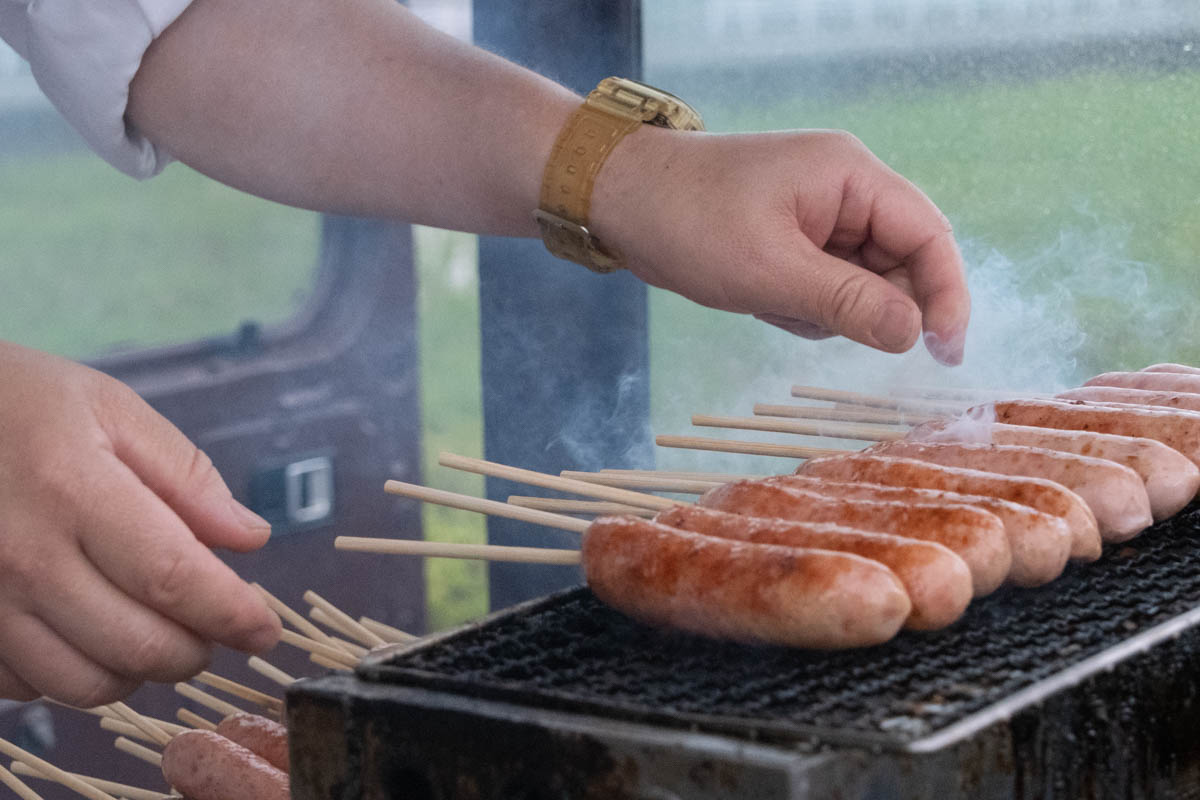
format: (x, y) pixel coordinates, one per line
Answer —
(1114, 493)
(974, 535)
(1182, 401)
(1179, 430)
(1040, 552)
(937, 581)
(1168, 367)
(204, 765)
(265, 738)
(1171, 480)
(739, 590)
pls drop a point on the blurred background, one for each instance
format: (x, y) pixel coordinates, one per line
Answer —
(1061, 137)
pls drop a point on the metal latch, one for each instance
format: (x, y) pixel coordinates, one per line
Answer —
(308, 490)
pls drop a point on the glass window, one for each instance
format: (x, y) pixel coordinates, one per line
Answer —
(93, 262)
(1059, 136)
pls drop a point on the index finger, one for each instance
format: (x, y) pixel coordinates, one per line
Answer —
(144, 548)
(908, 228)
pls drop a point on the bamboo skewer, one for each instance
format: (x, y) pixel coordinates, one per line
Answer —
(874, 401)
(124, 728)
(313, 646)
(685, 475)
(836, 430)
(356, 650)
(19, 786)
(238, 690)
(270, 671)
(482, 506)
(207, 700)
(119, 789)
(485, 552)
(882, 416)
(138, 751)
(328, 663)
(191, 718)
(392, 635)
(54, 773)
(295, 618)
(348, 624)
(592, 507)
(554, 482)
(158, 733)
(677, 485)
(746, 448)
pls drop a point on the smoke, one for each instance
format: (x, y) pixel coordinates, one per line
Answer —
(1040, 323)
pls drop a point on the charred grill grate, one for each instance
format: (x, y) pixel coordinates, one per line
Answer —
(569, 652)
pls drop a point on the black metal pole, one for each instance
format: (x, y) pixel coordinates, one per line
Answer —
(565, 359)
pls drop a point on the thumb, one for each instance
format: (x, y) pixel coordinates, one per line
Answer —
(177, 471)
(848, 300)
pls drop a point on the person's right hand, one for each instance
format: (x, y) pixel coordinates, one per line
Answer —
(107, 514)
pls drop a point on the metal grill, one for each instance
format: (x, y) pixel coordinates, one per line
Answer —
(569, 652)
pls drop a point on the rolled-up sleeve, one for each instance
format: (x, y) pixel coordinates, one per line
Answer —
(84, 54)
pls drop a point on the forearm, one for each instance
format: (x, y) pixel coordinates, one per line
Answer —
(350, 107)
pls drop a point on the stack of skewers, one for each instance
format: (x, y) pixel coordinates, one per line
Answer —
(244, 751)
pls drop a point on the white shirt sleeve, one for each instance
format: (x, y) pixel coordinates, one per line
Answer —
(84, 54)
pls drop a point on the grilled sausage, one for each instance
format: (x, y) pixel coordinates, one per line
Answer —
(1171, 480)
(1115, 494)
(739, 590)
(265, 738)
(204, 765)
(1036, 559)
(974, 535)
(1184, 368)
(1183, 401)
(1179, 430)
(1154, 381)
(937, 581)
(1026, 528)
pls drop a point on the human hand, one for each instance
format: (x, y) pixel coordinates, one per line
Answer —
(806, 230)
(107, 514)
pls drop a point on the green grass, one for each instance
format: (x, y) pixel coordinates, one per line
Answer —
(1075, 197)
(91, 261)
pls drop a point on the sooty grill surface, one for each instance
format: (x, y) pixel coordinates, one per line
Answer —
(570, 652)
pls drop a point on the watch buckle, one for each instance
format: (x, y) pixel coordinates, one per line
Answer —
(574, 242)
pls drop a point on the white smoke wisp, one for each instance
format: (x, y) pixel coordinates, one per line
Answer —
(1038, 323)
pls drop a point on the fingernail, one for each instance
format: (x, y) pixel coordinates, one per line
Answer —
(947, 353)
(894, 328)
(247, 517)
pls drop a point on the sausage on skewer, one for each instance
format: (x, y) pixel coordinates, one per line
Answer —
(1114, 493)
(1040, 558)
(937, 581)
(974, 535)
(1171, 480)
(1179, 430)
(204, 765)
(265, 738)
(739, 590)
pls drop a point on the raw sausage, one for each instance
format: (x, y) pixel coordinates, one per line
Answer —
(739, 590)
(1171, 480)
(265, 738)
(1041, 559)
(937, 581)
(1179, 430)
(204, 765)
(1115, 494)
(974, 535)
(1026, 528)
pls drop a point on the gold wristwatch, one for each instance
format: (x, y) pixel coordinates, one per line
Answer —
(613, 109)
